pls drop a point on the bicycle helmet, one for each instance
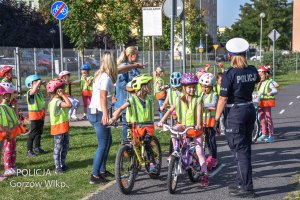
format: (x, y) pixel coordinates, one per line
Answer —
(263, 68)
(175, 79)
(139, 80)
(30, 79)
(8, 87)
(52, 85)
(189, 78)
(4, 70)
(200, 72)
(2, 90)
(63, 73)
(85, 67)
(207, 79)
(129, 87)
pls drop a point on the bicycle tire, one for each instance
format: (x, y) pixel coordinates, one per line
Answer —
(157, 156)
(195, 168)
(256, 131)
(125, 182)
(172, 178)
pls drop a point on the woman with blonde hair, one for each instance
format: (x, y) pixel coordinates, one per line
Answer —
(127, 70)
(98, 115)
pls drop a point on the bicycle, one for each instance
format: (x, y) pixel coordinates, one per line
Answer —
(132, 157)
(183, 158)
(257, 126)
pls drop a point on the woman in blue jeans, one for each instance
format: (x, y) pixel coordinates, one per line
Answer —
(98, 112)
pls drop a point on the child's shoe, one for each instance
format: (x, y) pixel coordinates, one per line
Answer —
(30, 153)
(262, 138)
(58, 170)
(84, 117)
(39, 150)
(204, 180)
(2, 178)
(270, 139)
(73, 118)
(152, 169)
(10, 172)
(64, 168)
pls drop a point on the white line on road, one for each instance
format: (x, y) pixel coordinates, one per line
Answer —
(282, 111)
(291, 103)
(298, 97)
(217, 170)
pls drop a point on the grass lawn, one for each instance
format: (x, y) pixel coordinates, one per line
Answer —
(73, 184)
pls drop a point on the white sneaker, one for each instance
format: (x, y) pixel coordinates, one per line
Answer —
(73, 118)
(10, 172)
(2, 178)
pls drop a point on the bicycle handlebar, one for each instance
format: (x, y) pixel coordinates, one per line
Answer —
(177, 132)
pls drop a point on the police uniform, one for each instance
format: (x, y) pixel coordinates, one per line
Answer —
(239, 113)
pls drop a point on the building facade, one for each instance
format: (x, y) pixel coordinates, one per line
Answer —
(296, 25)
(209, 8)
(34, 4)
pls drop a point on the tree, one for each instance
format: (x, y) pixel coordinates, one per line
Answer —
(278, 16)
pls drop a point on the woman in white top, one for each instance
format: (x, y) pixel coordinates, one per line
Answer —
(103, 88)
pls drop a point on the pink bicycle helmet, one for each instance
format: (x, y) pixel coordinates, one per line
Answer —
(8, 87)
(200, 72)
(5, 69)
(207, 79)
(189, 78)
(2, 90)
(52, 85)
(63, 73)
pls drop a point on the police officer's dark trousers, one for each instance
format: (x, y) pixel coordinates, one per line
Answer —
(36, 131)
(239, 124)
(210, 138)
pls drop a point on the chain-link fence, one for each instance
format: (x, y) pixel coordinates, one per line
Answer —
(46, 62)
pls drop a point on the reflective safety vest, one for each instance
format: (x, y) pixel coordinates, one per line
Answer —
(159, 79)
(265, 100)
(9, 120)
(199, 92)
(218, 89)
(208, 115)
(68, 90)
(138, 113)
(187, 114)
(172, 95)
(86, 90)
(59, 118)
(36, 110)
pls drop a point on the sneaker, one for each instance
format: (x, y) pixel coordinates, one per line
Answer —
(169, 159)
(2, 178)
(10, 172)
(242, 193)
(234, 187)
(64, 168)
(30, 153)
(270, 139)
(204, 180)
(38, 150)
(262, 138)
(214, 162)
(97, 180)
(107, 174)
(152, 169)
(58, 170)
(84, 117)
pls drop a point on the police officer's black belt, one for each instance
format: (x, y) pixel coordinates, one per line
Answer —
(238, 104)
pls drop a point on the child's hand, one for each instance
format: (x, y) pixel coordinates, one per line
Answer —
(140, 66)
(198, 127)
(160, 124)
(111, 120)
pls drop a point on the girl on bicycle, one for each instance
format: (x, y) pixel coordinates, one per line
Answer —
(141, 108)
(188, 109)
(266, 91)
(209, 101)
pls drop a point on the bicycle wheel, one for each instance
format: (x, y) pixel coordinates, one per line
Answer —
(195, 168)
(256, 131)
(155, 145)
(171, 147)
(125, 169)
(172, 178)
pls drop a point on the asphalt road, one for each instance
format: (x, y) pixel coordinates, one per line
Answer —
(274, 165)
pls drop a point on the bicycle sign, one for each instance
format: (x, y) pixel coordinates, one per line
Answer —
(59, 10)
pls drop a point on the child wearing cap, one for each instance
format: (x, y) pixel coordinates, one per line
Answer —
(266, 91)
(36, 113)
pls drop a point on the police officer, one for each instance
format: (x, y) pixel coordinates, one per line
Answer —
(235, 102)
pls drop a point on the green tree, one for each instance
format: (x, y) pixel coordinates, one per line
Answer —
(278, 16)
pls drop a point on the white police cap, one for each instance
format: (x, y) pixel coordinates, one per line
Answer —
(237, 46)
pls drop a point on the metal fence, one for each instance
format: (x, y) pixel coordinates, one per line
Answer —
(46, 62)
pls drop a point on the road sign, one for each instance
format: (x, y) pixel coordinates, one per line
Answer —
(59, 10)
(274, 35)
(167, 8)
(215, 46)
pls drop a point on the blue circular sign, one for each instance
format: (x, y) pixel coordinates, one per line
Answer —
(59, 10)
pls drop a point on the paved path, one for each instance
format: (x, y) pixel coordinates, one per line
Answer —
(274, 165)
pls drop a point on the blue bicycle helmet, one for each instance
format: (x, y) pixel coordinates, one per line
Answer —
(85, 67)
(175, 79)
(30, 79)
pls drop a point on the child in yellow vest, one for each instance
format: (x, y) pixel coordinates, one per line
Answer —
(65, 76)
(159, 87)
(188, 110)
(10, 129)
(141, 108)
(36, 113)
(266, 91)
(86, 86)
(59, 121)
(209, 101)
(199, 73)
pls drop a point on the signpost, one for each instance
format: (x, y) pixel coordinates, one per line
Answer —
(274, 35)
(60, 11)
(201, 49)
(216, 46)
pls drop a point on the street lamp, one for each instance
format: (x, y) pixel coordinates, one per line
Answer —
(261, 15)
(52, 31)
(206, 46)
